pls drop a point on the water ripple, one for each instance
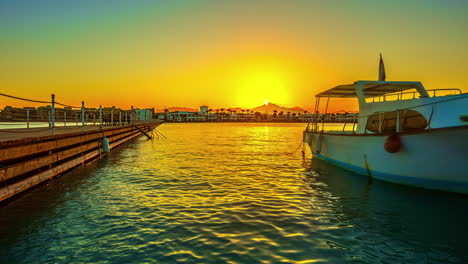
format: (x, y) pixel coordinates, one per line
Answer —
(228, 193)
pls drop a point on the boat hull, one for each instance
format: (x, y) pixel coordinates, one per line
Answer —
(432, 159)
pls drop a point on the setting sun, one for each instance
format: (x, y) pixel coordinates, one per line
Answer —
(255, 86)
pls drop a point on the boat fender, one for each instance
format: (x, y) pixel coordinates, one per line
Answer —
(105, 145)
(393, 143)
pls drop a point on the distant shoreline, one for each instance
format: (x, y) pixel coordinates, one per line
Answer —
(256, 121)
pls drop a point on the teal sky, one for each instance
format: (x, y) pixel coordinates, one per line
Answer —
(189, 53)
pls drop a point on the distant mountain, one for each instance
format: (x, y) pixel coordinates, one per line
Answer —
(272, 107)
(262, 109)
(298, 108)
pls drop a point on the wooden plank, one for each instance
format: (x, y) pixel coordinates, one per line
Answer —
(23, 185)
(30, 165)
(30, 149)
(21, 151)
(112, 139)
(23, 136)
(117, 143)
(74, 151)
(24, 167)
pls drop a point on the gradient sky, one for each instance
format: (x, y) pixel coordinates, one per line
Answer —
(223, 53)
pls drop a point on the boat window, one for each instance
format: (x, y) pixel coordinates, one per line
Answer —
(373, 123)
(388, 120)
(410, 120)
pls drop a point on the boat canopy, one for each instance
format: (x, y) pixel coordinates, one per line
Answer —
(371, 89)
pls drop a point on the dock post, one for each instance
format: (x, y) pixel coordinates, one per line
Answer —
(82, 115)
(27, 118)
(64, 118)
(53, 115)
(112, 118)
(100, 116)
(131, 117)
(126, 118)
(120, 118)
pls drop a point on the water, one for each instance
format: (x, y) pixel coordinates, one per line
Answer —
(228, 193)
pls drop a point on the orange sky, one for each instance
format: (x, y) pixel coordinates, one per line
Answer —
(224, 53)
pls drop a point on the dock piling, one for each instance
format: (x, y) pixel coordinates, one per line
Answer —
(100, 116)
(53, 114)
(82, 115)
(27, 118)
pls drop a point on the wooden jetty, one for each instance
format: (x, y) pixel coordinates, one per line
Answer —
(28, 158)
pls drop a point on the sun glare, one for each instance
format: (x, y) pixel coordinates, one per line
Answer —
(254, 87)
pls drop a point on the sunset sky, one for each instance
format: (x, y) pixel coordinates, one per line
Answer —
(223, 53)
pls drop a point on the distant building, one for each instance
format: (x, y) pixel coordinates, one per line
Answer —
(204, 109)
(144, 114)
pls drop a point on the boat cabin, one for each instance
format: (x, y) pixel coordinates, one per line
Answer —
(396, 106)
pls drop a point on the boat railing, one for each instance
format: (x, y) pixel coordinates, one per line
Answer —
(400, 115)
(411, 95)
(315, 126)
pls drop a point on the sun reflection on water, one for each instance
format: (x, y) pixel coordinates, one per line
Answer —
(223, 193)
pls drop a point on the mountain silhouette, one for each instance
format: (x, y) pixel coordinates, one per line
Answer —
(270, 108)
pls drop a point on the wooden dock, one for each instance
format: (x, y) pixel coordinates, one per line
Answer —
(29, 157)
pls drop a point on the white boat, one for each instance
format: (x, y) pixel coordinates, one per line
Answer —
(404, 134)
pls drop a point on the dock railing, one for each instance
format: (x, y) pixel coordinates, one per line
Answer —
(52, 115)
